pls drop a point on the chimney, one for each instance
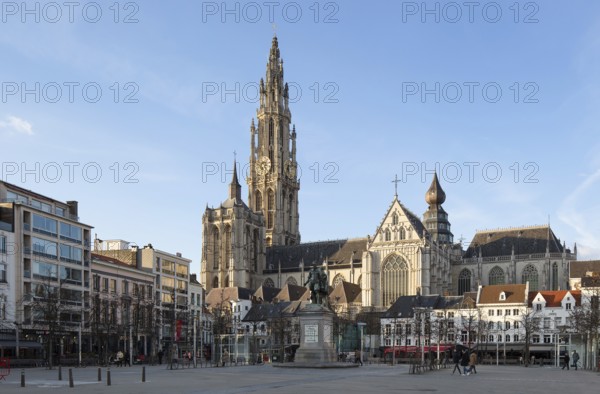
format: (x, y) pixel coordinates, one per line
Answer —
(178, 254)
(73, 208)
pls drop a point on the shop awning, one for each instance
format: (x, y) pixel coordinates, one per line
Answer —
(10, 344)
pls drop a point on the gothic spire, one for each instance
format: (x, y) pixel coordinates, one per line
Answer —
(235, 189)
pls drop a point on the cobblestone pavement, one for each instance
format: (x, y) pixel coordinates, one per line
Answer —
(267, 379)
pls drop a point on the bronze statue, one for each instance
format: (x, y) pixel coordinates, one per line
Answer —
(317, 284)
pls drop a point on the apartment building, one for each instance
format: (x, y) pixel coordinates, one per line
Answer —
(45, 260)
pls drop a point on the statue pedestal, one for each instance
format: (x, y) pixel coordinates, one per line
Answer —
(316, 336)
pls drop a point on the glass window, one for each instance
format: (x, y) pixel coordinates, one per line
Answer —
(44, 225)
(113, 285)
(42, 247)
(491, 313)
(2, 244)
(70, 233)
(507, 312)
(2, 273)
(43, 270)
(70, 254)
(60, 211)
(12, 196)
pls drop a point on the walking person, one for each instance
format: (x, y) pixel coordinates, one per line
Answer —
(464, 362)
(357, 357)
(456, 361)
(472, 362)
(566, 361)
(575, 359)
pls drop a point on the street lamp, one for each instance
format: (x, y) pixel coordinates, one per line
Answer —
(17, 338)
(361, 326)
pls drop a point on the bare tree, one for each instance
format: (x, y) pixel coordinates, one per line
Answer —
(585, 320)
(530, 323)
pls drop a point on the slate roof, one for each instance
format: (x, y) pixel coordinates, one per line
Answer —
(404, 305)
(336, 252)
(222, 295)
(264, 312)
(554, 298)
(525, 240)
(514, 294)
(579, 269)
(266, 294)
(345, 293)
(292, 292)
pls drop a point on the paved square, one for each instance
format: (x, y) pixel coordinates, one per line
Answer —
(266, 379)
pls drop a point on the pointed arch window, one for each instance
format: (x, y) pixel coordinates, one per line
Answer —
(270, 208)
(402, 233)
(530, 274)
(464, 281)
(269, 283)
(258, 205)
(215, 282)
(226, 283)
(290, 212)
(388, 235)
(228, 236)
(215, 247)
(291, 281)
(394, 279)
(394, 219)
(496, 276)
(339, 278)
(555, 276)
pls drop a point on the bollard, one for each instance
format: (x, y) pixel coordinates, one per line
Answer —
(70, 377)
(59, 373)
(108, 376)
(143, 374)
(99, 374)
(22, 378)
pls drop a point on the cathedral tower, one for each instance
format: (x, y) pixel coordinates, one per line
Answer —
(233, 251)
(272, 178)
(435, 218)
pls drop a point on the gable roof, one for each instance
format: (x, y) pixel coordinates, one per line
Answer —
(405, 305)
(266, 293)
(515, 294)
(335, 252)
(524, 240)
(345, 293)
(292, 292)
(264, 312)
(412, 219)
(220, 296)
(554, 298)
(580, 269)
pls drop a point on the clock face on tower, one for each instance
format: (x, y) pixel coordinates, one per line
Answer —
(263, 165)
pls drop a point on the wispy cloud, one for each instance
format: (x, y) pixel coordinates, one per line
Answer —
(15, 124)
(578, 211)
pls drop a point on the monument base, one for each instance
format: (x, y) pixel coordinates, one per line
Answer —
(316, 339)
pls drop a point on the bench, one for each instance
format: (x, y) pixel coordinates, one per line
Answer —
(4, 368)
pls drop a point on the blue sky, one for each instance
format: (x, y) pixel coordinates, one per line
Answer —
(515, 92)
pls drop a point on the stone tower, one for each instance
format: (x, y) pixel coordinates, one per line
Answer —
(233, 250)
(272, 178)
(435, 218)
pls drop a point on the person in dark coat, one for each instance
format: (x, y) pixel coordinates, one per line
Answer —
(566, 362)
(464, 362)
(456, 361)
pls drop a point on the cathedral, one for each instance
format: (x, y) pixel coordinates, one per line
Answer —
(258, 244)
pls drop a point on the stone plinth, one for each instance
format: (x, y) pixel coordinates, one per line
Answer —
(316, 336)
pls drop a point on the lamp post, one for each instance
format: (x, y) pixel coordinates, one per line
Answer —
(17, 338)
(361, 326)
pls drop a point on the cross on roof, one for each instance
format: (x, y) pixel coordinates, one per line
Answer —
(395, 181)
